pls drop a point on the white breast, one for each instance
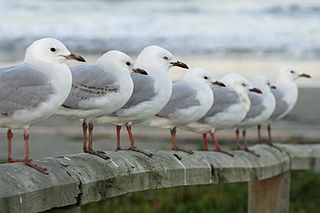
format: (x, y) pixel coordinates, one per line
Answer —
(290, 91)
(61, 79)
(147, 109)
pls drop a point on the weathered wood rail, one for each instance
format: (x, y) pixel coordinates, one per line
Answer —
(79, 179)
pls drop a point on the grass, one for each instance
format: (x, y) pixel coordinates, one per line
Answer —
(305, 192)
(304, 198)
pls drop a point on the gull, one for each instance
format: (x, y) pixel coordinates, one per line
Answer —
(285, 94)
(150, 92)
(230, 106)
(35, 89)
(191, 98)
(99, 89)
(261, 108)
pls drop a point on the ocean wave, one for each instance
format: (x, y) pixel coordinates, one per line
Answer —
(182, 46)
(293, 9)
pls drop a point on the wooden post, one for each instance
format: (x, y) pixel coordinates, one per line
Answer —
(270, 195)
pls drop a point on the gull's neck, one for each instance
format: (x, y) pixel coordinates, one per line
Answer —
(52, 69)
(152, 69)
(287, 78)
(198, 84)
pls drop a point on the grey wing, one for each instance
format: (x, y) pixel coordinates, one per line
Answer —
(256, 106)
(223, 98)
(22, 87)
(143, 90)
(281, 105)
(182, 97)
(90, 81)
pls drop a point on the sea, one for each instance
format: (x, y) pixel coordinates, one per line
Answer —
(255, 29)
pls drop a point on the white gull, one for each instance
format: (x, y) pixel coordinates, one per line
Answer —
(191, 98)
(35, 89)
(230, 106)
(150, 92)
(99, 89)
(285, 94)
(261, 108)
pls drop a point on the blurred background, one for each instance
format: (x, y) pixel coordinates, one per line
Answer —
(249, 36)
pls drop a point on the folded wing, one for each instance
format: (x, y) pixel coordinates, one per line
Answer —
(183, 97)
(22, 87)
(89, 82)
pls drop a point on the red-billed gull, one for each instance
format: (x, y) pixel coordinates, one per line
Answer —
(150, 92)
(99, 89)
(191, 98)
(261, 107)
(285, 94)
(35, 89)
(231, 104)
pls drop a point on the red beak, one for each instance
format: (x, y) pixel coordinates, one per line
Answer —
(256, 90)
(180, 64)
(303, 75)
(73, 56)
(140, 71)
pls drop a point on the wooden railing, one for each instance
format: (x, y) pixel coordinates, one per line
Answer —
(79, 179)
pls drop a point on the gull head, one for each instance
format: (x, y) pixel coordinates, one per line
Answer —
(292, 73)
(202, 76)
(262, 82)
(157, 58)
(50, 50)
(239, 83)
(118, 61)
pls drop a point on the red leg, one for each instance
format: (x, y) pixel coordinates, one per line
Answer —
(244, 136)
(259, 133)
(174, 142)
(270, 139)
(246, 148)
(173, 138)
(269, 134)
(27, 160)
(133, 144)
(84, 132)
(217, 145)
(118, 129)
(215, 141)
(9, 139)
(205, 143)
(90, 150)
(90, 127)
(238, 147)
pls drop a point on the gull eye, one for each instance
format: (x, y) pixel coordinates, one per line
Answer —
(205, 77)
(128, 63)
(243, 84)
(52, 49)
(165, 58)
(291, 71)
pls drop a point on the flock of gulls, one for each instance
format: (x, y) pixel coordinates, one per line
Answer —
(117, 90)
